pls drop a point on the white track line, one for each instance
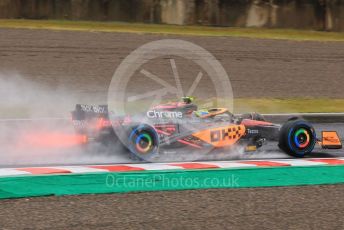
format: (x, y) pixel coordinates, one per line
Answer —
(155, 166)
(296, 162)
(12, 172)
(224, 164)
(80, 169)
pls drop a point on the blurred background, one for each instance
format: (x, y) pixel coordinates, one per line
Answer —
(325, 15)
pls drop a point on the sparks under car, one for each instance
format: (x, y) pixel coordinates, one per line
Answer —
(180, 125)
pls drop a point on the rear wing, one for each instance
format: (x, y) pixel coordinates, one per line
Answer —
(86, 112)
(90, 120)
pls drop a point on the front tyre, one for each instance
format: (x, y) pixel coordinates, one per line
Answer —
(143, 142)
(297, 138)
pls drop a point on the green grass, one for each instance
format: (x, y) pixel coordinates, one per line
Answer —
(289, 34)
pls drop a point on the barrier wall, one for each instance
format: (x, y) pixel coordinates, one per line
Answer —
(299, 14)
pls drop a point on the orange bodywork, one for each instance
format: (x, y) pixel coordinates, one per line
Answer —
(221, 136)
(330, 139)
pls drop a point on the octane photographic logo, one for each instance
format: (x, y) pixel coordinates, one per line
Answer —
(148, 101)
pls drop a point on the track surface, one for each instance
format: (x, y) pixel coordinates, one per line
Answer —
(311, 207)
(81, 65)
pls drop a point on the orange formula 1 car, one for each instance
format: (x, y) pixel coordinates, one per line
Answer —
(174, 126)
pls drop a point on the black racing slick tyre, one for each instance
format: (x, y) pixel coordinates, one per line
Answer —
(143, 142)
(297, 138)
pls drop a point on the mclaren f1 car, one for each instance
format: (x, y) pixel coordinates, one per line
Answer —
(181, 125)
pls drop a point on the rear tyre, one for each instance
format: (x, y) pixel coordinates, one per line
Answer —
(143, 142)
(297, 138)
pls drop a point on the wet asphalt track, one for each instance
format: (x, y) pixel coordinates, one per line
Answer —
(304, 207)
(83, 63)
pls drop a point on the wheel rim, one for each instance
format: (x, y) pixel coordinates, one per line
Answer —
(302, 138)
(144, 143)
